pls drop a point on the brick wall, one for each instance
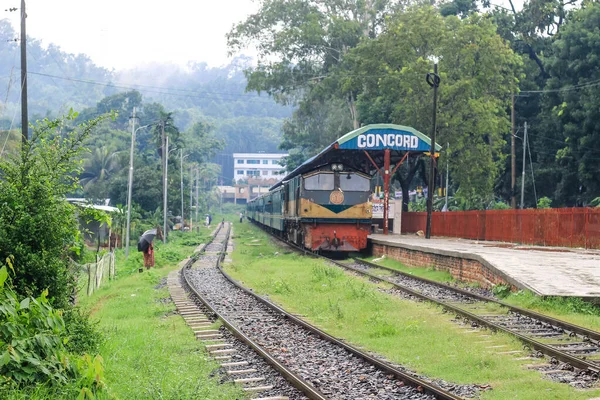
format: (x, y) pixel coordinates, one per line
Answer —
(461, 269)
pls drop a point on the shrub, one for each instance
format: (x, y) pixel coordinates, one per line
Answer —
(32, 336)
(32, 346)
(37, 225)
(544, 202)
(82, 333)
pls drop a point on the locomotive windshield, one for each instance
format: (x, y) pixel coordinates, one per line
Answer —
(354, 183)
(319, 182)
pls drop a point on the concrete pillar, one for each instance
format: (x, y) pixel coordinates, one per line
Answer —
(397, 216)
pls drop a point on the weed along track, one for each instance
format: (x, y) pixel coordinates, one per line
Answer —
(318, 364)
(574, 351)
(241, 360)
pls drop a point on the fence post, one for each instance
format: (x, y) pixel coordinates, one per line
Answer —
(111, 271)
(89, 285)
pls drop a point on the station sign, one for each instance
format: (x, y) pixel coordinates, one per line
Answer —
(378, 210)
(386, 138)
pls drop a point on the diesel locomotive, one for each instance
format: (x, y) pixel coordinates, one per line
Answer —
(325, 208)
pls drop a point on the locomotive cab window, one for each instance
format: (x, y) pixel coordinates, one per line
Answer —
(319, 182)
(351, 182)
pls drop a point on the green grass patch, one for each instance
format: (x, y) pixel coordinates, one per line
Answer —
(571, 309)
(428, 273)
(417, 335)
(150, 353)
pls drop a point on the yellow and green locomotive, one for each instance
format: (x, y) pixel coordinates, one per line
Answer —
(325, 208)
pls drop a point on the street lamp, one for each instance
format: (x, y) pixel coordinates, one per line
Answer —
(130, 180)
(181, 157)
(167, 152)
(433, 79)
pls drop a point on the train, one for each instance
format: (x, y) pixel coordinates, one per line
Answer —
(324, 208)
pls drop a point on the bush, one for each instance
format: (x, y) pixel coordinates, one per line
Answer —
(544, 202)
(32, 334)
(37, 225)
(32, 345)
(82, 333)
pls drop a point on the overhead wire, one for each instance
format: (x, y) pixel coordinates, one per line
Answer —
(197, 94)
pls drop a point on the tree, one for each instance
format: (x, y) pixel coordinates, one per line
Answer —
(299, 41)
(573, 106)
(37, 224)
(99, 167)
(478, 71)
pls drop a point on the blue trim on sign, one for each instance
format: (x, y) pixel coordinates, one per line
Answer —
(380, 139)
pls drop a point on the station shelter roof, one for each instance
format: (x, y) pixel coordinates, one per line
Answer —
(374, 139)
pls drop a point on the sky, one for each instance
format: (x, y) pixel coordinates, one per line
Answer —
(122, 34)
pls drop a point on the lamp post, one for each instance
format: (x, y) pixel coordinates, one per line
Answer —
(181, 157)
(130, 180)
(433, 79)
(165, 187)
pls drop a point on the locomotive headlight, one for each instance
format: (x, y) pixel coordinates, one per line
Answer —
(337, 167)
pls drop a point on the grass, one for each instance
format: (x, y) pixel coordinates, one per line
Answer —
(417, 335)
(150, 353)
(428, 273)
(571, 309)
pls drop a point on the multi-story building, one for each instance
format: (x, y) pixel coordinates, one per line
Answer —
(257, 166)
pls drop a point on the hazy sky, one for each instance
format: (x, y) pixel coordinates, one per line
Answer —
(125, 33)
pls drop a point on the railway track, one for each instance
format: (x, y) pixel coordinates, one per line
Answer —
(574, 350)
(240, 359)
(574, 345)
(319, 365)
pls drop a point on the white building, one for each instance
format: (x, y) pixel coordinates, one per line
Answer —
(257, 166)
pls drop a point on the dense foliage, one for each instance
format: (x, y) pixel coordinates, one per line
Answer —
(32, 345)
(37, 225)
(352, 63)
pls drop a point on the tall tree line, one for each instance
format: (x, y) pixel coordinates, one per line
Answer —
(348, 63)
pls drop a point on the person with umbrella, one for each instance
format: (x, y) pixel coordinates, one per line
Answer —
(145, 245)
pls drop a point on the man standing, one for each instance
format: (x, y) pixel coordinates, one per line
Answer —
(241, 217)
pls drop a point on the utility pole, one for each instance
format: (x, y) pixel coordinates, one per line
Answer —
(513, 160)
(191, 197)
(24, 116)
(447, 173)
(197, 187)
(130, 183)
(165, 155)
(523, 175)
(434, 81)
(165, 187)
(181, 174)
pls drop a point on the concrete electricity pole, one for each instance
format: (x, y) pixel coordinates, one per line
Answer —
(513, 159)
(523, 174)
(130, 183)
(166, 156)
(24, 116)
(181, 174)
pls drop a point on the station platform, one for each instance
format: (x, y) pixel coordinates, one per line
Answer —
(548, 271)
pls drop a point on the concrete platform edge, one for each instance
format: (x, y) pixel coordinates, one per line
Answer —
(466, 255)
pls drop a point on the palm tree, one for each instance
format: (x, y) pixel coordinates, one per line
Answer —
(99, 166)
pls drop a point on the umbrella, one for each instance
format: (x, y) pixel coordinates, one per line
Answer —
(146, 239)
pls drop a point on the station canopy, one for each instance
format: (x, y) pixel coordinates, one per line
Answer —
(352, 148)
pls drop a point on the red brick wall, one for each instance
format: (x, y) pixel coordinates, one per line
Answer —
(461, 269)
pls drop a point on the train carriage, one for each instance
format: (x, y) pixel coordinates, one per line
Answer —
(324, 209)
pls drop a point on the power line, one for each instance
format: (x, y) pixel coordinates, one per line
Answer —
(566, 88)
(137, 87)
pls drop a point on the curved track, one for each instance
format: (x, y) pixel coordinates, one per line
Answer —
(560, 340)
(318, 364)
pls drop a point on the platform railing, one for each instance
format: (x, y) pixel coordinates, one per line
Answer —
(563, 227)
